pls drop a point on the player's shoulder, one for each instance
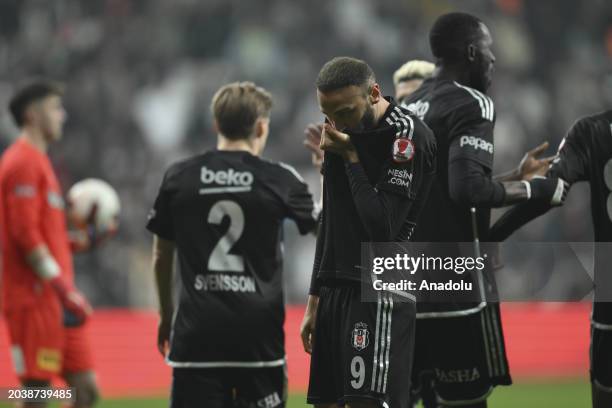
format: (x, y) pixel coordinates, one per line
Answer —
(590, 133)
(404, 120)
(179, 166)
(467, 100)
(410, 127)
(280, 170)
(442, 98)
(598, 120)
(20, 157)
(597, 124)
(417, 128)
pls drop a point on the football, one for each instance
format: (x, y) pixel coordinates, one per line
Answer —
(94, 203)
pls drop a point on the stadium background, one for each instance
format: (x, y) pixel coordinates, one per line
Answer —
(140, 75)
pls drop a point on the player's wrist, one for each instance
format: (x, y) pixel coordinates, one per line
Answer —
(549, 190)
(312, 304)
(527, 188)
(45, 266)
(60, 286)
(165, 316)
(351, 156)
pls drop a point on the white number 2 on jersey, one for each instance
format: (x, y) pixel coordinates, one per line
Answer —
(220, 258)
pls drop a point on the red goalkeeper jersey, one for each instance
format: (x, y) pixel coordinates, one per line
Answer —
(31, 214)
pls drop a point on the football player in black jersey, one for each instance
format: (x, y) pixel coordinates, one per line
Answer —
(585, 154)
(221, 213)
(379, 161)
(408, 77)
(461, 343)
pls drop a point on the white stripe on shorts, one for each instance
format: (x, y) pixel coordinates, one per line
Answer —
(376, 338)
(383, 343)
(387, 364)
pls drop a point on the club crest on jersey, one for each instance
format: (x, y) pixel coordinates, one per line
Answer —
(361, 336)
(403, 150)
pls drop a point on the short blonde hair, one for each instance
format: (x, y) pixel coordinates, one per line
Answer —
(415, 69)
(237, 106)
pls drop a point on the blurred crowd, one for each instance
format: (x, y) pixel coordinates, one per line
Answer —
(139, 76)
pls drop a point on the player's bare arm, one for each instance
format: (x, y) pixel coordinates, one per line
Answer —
(308, 328)
(530, 166)
(469, 185)
(163, 260)
(44, 265)
(570, 164)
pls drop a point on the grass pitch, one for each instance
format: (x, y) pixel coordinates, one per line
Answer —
(536, 394)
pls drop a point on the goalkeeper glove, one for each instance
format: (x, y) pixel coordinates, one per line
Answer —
(72, 300)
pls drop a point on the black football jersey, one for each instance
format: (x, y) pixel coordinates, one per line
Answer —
(585, 154)
(463, 120)
(224, 211)
(342, 231)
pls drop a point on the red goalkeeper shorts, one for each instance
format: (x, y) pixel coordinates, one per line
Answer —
(42, 347)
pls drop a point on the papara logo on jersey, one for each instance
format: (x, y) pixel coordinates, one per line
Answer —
(403, 150)
(226, 181)
(477, 143)
(361, 336)
(418, 108)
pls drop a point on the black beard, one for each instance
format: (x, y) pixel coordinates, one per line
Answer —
(478, 77)
(367, 120)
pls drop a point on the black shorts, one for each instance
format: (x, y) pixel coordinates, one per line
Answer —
(463, 358)
(229, 387)
(361, 350)
(601, 356)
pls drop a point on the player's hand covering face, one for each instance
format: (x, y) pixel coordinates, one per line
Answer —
(350, 108)
(335, 141)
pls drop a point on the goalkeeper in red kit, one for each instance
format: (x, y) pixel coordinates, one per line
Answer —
(45, 313)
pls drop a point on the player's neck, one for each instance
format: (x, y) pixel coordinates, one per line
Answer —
(236, 145)
(452, 73)
(35, 138)
(380, 108)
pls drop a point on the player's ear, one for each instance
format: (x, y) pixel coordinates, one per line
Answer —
(216, 127)
(29, 114)
(262, 127)
(471, 52)
(374, 93)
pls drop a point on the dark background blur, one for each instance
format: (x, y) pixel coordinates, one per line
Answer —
(140, 75)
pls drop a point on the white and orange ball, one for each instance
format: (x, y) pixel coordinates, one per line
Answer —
(94, 203)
